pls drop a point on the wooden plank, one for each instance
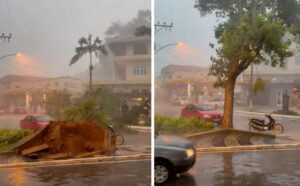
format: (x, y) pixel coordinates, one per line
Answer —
(88, 154)
(59, 155)
(34, 149)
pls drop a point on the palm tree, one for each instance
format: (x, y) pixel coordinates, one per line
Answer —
(86, 46)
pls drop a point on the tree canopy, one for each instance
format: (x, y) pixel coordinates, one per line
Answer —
(242, 43)
(142, 21)
(254, 32)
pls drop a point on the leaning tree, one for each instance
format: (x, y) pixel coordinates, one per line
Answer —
(254, 32)
(87, 46)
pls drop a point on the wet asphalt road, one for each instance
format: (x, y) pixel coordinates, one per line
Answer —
(130, 173)
(10, 121)
(253, 168)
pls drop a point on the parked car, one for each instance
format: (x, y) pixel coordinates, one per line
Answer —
(2, 111)
(179, 101)
(19, 111)
(205, 112)
(173, 155)
(216, 104)
(35, 121)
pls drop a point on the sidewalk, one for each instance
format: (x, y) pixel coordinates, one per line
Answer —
(262, 111)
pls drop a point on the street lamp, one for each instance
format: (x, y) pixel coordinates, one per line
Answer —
(179, 44)
(17, 54)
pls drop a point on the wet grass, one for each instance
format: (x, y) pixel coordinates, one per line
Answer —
(10, 136)
(7, 148)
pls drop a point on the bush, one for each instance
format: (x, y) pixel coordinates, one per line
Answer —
(56, 103)
(10, 136)
(168, 125)
(87, 110)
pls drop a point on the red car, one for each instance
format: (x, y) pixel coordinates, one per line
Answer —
(205, 112)
(35, 121)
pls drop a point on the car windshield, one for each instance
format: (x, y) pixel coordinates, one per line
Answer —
(205, 107)
(44, 118)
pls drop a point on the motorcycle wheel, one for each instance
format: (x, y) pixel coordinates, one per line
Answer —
(119, 139)
(278, 128)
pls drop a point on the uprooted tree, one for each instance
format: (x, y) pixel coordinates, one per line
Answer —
(254, 32)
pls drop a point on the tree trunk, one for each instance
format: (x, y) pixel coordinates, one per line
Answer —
(91, 71)
(228, 103)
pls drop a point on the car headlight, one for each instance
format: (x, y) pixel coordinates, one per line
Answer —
(189, 152)
(206, 116)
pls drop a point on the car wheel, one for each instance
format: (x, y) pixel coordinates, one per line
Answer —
(162, 172)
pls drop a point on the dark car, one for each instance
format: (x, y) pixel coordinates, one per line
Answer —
(173, 155)
(19, 111)
(205, 112)
(35, 121)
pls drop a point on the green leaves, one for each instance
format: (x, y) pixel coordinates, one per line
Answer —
(259, 86)
(242, 43)
(168, 125)
(56, 103)
(87, 110)
(10, 136)
(87, 46)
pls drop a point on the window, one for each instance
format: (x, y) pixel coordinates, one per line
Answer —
(140, 70)
(139, 48)
(66, 84)
(191, 108)
(297, 58)
(18, 86)
(56, 84)
(30, 119)
(279, 97)
(145, 91)
(119, 49)
(135, 90)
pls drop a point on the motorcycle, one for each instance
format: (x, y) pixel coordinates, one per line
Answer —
(118, 137)
(257, 125)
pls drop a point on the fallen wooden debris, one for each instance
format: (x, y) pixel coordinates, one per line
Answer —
(59, 155)
(34, 149)
(88, 154)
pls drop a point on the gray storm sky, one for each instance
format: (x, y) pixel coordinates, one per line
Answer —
(190, 28)
(47, 31)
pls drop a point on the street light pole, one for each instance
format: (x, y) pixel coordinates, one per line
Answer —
(9, 55)
(171, 44)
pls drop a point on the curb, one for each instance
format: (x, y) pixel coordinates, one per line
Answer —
(140, 128)
(225, 131)
(77, 161)
(262, 114)
(249, 148)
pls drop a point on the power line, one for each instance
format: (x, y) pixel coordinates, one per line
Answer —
(163, 25)
(5, 37)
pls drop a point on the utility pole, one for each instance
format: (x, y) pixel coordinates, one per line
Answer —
(160, 26)
(5, 37)
(250, 101)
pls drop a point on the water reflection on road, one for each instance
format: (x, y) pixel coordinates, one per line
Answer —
(132, 173)
(255, 168)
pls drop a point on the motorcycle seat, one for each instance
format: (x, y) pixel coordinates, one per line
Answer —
(258, 120)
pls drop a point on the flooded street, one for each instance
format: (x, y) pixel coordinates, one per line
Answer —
(276, 167)
(135, 173)
(10, 121)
